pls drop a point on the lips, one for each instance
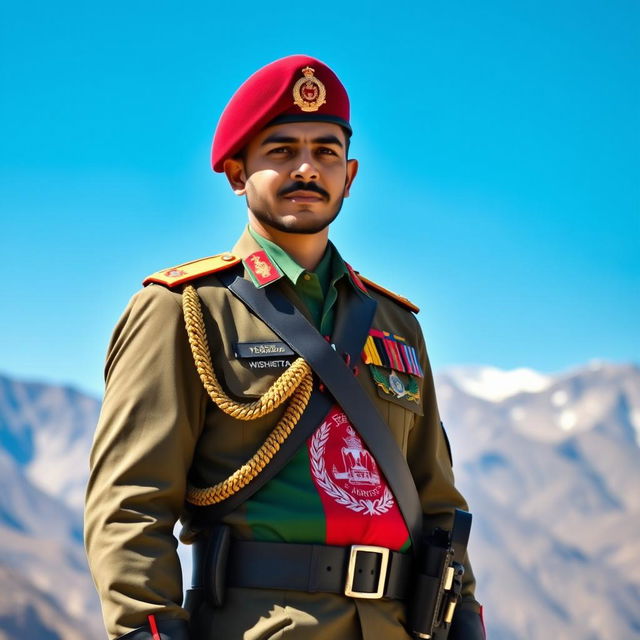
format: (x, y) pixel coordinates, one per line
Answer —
(304, 196)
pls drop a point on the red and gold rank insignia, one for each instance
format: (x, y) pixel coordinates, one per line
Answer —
(262, 270)
(308, 92)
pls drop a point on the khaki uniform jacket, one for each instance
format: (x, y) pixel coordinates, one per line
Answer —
(158, 428)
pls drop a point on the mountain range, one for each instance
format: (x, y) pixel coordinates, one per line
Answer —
(548, 464)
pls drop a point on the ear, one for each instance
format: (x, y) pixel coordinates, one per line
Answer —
(352, 170)
(234, 170)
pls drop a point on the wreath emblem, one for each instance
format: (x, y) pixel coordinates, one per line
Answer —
(308, 92)
(374, 507)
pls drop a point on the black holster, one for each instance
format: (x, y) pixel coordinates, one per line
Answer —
(438, 582)
(210, 554)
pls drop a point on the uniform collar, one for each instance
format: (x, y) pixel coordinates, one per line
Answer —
(266, 262)
(277, 255)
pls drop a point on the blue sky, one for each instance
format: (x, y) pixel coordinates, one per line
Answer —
(498, 188)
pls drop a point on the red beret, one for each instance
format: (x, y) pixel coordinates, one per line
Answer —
(292, 89)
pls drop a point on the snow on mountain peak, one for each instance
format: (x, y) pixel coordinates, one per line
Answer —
(495, 385)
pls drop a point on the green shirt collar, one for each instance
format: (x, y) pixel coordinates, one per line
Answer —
(317, 289)
(329, 270)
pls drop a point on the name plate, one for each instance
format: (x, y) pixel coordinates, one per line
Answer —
(251, 350)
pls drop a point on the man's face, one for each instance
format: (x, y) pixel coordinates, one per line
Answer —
(294, 175)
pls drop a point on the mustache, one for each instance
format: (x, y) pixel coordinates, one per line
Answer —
(303, 186)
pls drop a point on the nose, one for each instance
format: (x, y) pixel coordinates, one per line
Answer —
(305, 170)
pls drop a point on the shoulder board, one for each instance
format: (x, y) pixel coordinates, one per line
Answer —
(390, 294)
(174, 276)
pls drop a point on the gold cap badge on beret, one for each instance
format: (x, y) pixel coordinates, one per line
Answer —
(308, 92)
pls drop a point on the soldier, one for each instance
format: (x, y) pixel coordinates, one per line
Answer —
(282, 406)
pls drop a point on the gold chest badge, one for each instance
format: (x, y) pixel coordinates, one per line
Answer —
(308, 92)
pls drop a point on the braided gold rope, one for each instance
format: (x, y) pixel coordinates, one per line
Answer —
(295, 385)
(261, 458)
(280, 391)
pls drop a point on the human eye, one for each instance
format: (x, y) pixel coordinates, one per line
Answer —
(327, 151)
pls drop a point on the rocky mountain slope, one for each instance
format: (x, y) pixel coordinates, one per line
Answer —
(551, 472)
(549, 465)
(45, 434)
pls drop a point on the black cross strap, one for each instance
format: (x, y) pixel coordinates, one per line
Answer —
(275, 310)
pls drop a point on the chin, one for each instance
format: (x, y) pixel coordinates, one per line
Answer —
(304, 221)
(309, 226)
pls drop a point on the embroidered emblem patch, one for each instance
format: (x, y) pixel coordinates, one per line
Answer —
(175, 273)
(262, 270)
(344, 469)
(260, 267)
(396, 384)
(308, 92)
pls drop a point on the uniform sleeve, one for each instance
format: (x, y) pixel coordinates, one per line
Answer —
(150, 420)
(430, 462)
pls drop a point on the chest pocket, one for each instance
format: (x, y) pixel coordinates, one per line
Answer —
(247, 356)
(399, 403)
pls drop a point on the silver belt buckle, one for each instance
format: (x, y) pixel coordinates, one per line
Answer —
(351, 570)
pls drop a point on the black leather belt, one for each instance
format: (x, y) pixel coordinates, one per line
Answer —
(358, 571)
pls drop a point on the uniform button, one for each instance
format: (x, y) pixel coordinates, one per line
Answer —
(227, 257)
(307, 276)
